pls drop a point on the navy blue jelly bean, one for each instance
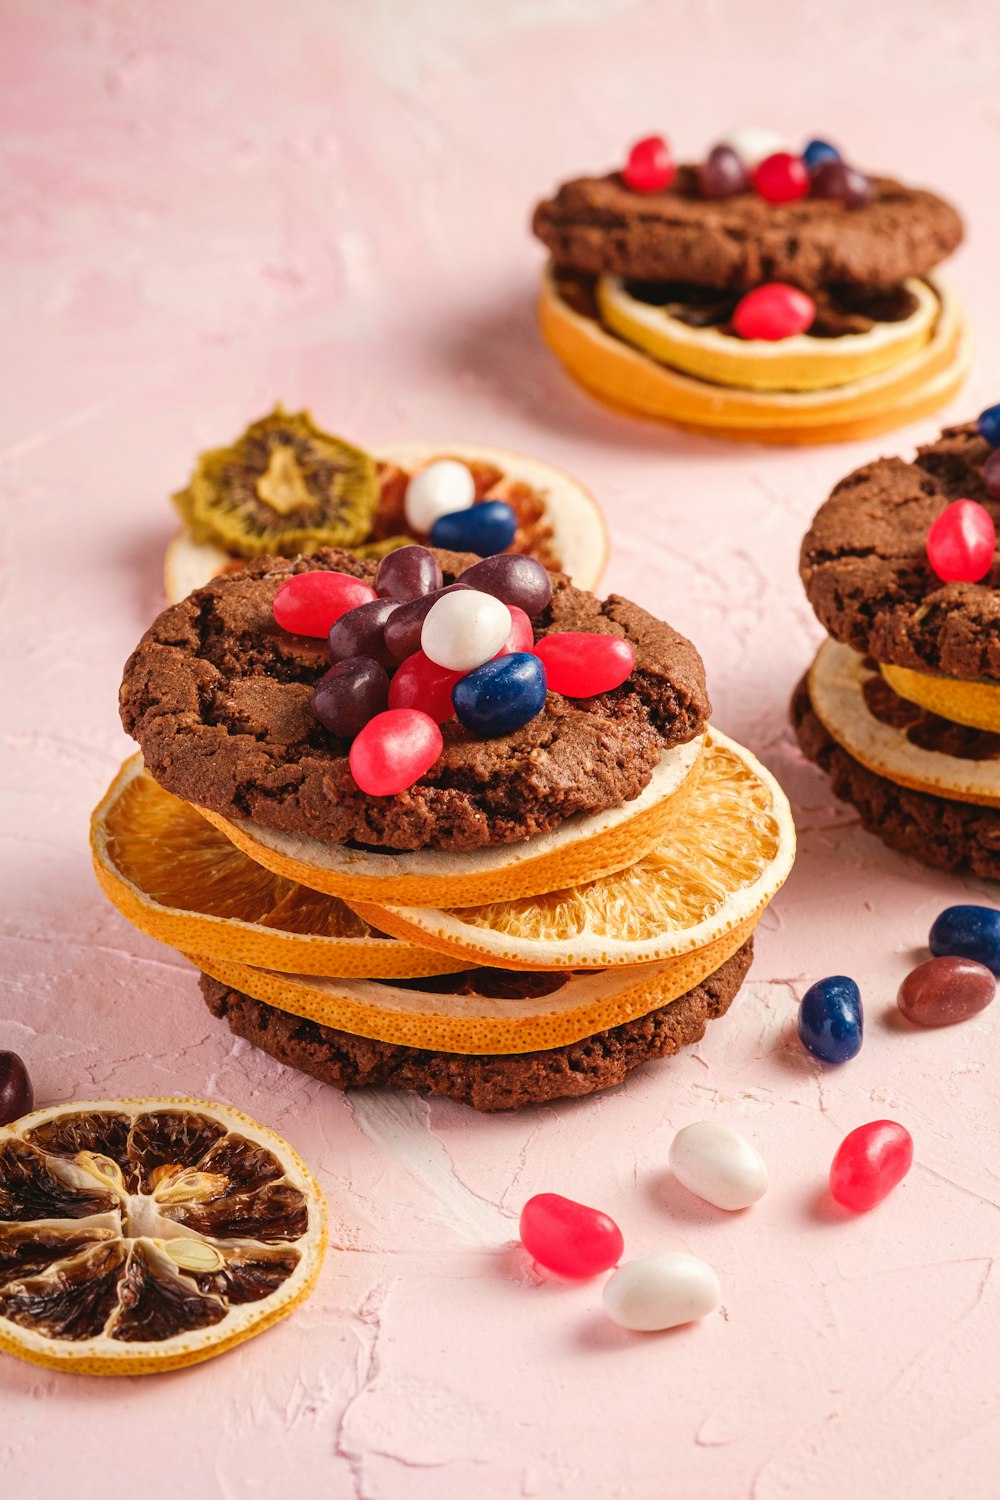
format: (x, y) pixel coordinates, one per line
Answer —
(485, 528)
(988, 423)
(817, 152)
(831, 1019)
(501, 695)
(968, 932)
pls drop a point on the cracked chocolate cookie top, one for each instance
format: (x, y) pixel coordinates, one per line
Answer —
(599, 225)
(218, 697)
(865, 569)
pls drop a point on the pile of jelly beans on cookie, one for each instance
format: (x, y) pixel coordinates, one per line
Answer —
(411, 653)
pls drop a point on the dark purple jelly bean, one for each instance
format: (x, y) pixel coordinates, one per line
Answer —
(351, 693)
(835, 179)
(16, 1093)
(513, 578)
(943, 991)
(722, 174)
(361, 632)
(991, 475)
(402, 631)
(409, 573)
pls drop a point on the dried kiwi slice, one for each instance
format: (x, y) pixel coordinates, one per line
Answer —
(284, 487)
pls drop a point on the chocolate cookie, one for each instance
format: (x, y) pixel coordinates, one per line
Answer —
(486, 1082)
(600, 225)
(218, 697)
(946, 834)
(865, 569)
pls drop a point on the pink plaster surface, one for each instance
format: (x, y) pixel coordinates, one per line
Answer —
(207, 206)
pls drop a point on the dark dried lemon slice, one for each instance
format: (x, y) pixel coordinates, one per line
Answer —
(139, 1235)
(284, 487)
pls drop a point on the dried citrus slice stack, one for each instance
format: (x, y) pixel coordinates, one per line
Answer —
(142, 1235)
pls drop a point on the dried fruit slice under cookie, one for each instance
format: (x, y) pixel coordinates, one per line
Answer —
(142, 1235)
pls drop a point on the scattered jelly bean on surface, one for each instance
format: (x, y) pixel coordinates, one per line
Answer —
(961, 542)
(309, 603)
(752, 143)
(988, 423)
(442, 487)
(774, 311)
(818, 152)
(943, 991)
(514, 578)
(501, 695)
(831, 1019)
(580, 664)
(991, 475)
(350, 694)
(722, 174)
(394, 750)
(421, 683)
(718, 1164)
(568, 1237)
(408, 573)
(661, 1291)
(781, 178)
(522, 636)
(650, 167)
(16, 1093)
(462, 630)
(361, 632)
(835, 179)
(869, 1163)
(402, 631)
(968, 932)
(485, 529)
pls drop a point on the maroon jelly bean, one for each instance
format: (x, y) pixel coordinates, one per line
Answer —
(943, 991)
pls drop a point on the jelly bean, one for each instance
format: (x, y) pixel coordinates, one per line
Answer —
(718, 1164)
(361, 632)
(408, 573)
(991, 475)
(650, 167)
(485, 528)
(402, 631)
(831, 1019)
(835, 179)
(869, 1163)
(513, 578)
(722, 174)
(442, 487)
(753, 143)
(501, 695)
(961, 542)
(568, 1237)
(774, 311)
(309, 603)
(968, 932)
(781, 178)
(579, 664)
(661, 1291)
(16, 1093)
(394, 750)
(351, 693)
(988, 423)
(943, 991)
(421, 683)
(522, 636)
(818, 152)
(463, 630)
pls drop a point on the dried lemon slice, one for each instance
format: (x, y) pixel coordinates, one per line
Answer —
(718, 867)
(140, 1235)
(177, 878)
(974, 704)
(284, 487)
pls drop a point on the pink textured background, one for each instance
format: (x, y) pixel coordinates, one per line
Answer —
(205, 206)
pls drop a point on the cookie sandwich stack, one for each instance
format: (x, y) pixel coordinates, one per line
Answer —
(901, 706)
(761, 293)
(439, 823)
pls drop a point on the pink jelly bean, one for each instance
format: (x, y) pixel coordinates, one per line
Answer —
(781, 178)
(521, 637)
(774, 312)
(869, 1163)
(569, 1238)
(961, 542)
(309, 603)
(394, 750)
(650, 167)
(421, 683)
(579, 664)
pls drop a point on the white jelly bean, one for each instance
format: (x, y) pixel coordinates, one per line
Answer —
(752, 143)
(718, 1164)
(443, 487)
(661, 1291)
(464, 629)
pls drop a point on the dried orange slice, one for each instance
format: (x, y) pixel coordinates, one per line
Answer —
(177, 878)
(716, 869)
(503, 1012)
(581, 847)
(974, 704)
(140, 1235)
